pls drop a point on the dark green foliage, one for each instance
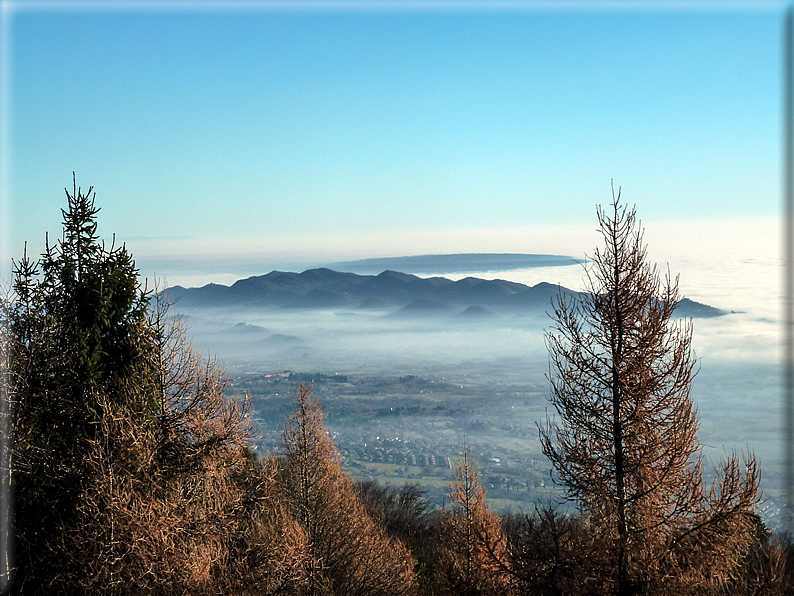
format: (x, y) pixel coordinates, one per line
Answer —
(75, 334)
(131, 469)
(94, 295)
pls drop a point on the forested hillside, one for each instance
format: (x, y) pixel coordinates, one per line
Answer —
(131, 473)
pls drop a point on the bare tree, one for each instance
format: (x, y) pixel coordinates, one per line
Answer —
(626, 446)
(6, 447)
(195, 418)
(204, 519)
(472, 557)
(349, 553)
(552, 553)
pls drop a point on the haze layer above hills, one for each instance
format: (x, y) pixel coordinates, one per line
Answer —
(455, 263)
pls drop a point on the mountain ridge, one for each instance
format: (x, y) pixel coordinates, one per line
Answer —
(324, 288)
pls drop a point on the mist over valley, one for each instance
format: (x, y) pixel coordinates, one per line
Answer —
(409, 368)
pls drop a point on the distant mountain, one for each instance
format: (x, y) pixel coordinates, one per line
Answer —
(456, 263)
(401, 293)
(245, 329)
(690, 308)
(475, 312)
(422, 307)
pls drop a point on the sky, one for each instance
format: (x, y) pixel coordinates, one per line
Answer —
(227, 140)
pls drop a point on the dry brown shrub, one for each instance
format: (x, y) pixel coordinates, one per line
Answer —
(175, 503)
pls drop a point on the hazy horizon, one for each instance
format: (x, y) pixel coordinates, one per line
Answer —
(731, 264)
(227, 137)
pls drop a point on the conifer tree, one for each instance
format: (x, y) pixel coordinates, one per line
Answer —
(75, 341)
(472, 554)
(625, 446)
(349, 552)
(130, 464)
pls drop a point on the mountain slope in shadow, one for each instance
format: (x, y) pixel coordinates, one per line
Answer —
(402, 293)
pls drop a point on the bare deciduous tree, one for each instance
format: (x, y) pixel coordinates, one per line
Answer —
(206, 519)
(626, 446)
(472, 556)
(552, 553)
(350, 553)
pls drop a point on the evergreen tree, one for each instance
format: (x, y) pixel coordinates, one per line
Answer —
(131, 467)
(75, 341)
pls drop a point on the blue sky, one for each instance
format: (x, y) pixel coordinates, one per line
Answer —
(333, 133)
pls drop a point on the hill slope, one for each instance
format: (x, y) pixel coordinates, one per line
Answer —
(390, 290)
